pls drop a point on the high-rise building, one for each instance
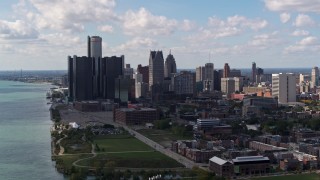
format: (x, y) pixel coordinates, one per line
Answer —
(208, 80)
(217, 80)
(254, 72)
(315, 76)
(231, 85)
(128, 71)
(170, 66)
(80, 78)
(156, 68)
(226, 70)
(284, 87)
(200, 73)
(114, 69)
(184, 83)
(95, 51)
(144, 70)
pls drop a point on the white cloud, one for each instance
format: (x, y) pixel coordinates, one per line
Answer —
(303, 20)
(309, 43)
(17, 30)
(187, 25)
(137, 43)
(66, 14)
(264, 41)
(232, 26)
(105, 28)
(285, 17)
(300, 33)
(242, 21)
(293, 5)
(310, 40)
(144, 22)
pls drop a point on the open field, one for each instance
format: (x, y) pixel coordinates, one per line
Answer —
(163, 137)
(126, 151)
(119, 143)
(151, 159)
(292, 177)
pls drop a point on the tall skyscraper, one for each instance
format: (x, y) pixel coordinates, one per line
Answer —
(208, 80)
(254, 72)
(113, 67)
(95, 51)
(170, 66)
(156, 68)
(315, 76)
(128, 71)
(226, 70)
(284, 87)
(80, 78)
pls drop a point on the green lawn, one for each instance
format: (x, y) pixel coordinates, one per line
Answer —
(292, 177)
(127, 151)
(163, 137)
(151, 159)
(119, 143)
(66, 161)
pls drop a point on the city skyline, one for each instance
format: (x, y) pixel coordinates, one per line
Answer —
(272, 33)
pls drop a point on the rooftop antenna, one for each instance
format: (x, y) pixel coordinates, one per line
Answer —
(170, 52)
(209, 57)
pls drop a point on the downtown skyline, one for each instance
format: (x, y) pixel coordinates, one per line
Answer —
(36, 34)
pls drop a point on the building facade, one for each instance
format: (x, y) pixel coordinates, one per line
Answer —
(156, 68)
(284, 87)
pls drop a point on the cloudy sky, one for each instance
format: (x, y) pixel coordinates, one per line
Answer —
(40, 34)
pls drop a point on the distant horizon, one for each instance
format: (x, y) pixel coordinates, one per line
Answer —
(13, 70)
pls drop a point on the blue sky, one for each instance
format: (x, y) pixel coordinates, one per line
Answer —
(40, 34)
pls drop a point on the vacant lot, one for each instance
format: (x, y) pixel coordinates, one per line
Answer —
(163, 137)
(292, 177)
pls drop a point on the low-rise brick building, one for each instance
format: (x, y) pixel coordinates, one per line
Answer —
(130, 116)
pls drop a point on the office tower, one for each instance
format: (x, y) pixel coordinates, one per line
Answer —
(95, 51)
(208, 79)
(315, 76)
(170, 66)
(226, 70)
(184, 83)
(231, 85)
(284, 87)
(112, 69)
(70, 77)
(217, 81)
(141, 89)
(254, 72)
(128, 71)
(156, 68)
(200, 73)
(81, 75)
(144, 70)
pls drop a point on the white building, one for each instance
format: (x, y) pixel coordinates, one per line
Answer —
(315, 76)
(284, 87)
